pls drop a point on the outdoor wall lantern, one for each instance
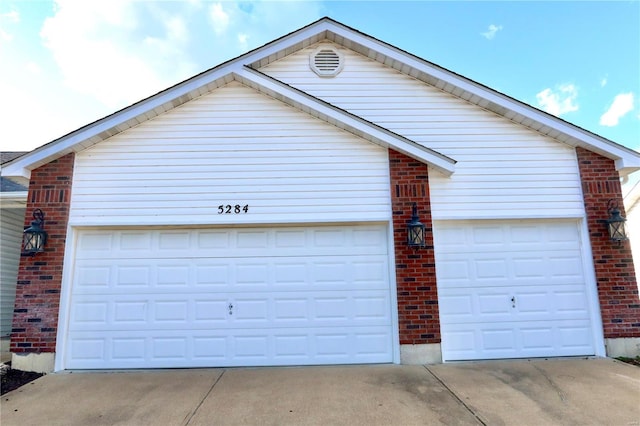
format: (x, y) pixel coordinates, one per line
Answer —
(34, 237)
(415, 229)
(615, 223)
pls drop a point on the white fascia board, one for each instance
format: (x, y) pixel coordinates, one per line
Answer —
(16, 172)
(628, 164)
(378, 134)
(624, 157)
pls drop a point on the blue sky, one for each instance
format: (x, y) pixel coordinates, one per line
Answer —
(66, 63)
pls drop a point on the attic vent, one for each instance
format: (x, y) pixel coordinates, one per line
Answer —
(326, 61)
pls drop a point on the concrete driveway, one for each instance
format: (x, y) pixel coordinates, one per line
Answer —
(540, 392)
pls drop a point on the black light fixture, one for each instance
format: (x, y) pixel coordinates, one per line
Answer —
(34, 237)
(415, 229)
(615, 223)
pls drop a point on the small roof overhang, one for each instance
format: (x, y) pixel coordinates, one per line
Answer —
(13, 200)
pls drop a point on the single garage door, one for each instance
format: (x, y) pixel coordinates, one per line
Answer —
(233, 297)
(512, 289)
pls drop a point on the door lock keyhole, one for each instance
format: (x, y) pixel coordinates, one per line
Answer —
(230, 308)
(513, 301)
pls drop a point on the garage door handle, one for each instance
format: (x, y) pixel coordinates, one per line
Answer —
(230, 308)
(513, 301)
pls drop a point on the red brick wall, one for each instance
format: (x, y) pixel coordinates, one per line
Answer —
(418, 315)
(35, 318)
(615, 276)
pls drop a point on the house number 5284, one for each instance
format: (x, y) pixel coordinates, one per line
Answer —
(236, 209)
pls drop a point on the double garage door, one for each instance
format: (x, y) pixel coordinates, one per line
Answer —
(514, 289)
(321, 295)
(233, 297)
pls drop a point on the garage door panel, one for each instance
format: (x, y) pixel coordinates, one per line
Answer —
(284, 309)
(131, 313)
(503, 269)
(114, 275)
(170, 244)
(527, 303)
(512, 289)
(516, 340)
(90, 313)
(211, 310)
(470, 236)
(494, 305)
(203, 348)
(491, 269)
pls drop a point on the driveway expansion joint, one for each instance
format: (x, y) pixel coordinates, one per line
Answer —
(193, 413)
(473, 413)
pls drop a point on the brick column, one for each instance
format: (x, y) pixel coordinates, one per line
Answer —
(615, 276)
(35, 318)
(419, 320)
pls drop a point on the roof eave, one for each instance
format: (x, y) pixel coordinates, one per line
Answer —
(13, 200)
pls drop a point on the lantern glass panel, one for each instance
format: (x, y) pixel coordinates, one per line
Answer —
(416, 235)
(617, 231)
(616, 225)
(34, 240)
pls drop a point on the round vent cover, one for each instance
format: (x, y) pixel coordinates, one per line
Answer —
(326, 61)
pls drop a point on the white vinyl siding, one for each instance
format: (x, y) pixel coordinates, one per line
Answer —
(232, 146)
(11, 226)
(502, 170)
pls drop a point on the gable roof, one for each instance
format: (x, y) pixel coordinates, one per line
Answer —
(12, 194)
(6, 156)
(243, 69)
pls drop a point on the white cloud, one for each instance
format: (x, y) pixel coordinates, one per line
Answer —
(33, 68)
(5, 36)
(603, 81)
(100, 55)
(243, 39)
(102, 51)
(240, 26)
(559, 101)
(12, 17)
(491, 33)
(176, 29)
(622, 104)
(54, 114)
(219, 18)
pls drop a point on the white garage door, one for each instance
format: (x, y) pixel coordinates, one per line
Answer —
(512, 290)
(236, 297)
